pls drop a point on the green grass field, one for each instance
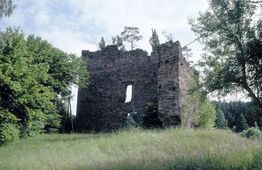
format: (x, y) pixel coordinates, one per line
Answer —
(135, 149)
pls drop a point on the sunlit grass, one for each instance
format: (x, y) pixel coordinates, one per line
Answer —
(135, 149)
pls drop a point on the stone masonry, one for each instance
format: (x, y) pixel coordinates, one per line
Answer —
(164, 76)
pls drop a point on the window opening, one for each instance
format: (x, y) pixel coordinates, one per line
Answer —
(128, 93)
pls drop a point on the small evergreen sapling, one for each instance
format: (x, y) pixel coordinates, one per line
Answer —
(154, 40)
(102, 43)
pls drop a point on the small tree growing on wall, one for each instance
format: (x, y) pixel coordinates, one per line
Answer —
(117, 40)
(102, 43)
(154, 40)
(131, 35)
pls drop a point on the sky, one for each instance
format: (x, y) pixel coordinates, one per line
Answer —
(76, 25)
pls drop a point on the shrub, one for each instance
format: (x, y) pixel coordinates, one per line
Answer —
(54, 122)
(206, 115)
(9, 129)
(8, 133)
(252, 133)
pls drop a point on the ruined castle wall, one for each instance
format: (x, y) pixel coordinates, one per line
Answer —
(168, 83)
(185, 79)
(162, 79)
(101, 106)
(188, 80)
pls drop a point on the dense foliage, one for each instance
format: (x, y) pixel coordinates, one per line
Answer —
(252, 133)
(205, 116)
(231, 31)
(35, 80)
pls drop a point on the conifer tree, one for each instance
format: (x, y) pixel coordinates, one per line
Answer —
(221, 121)
(241, 123)
(102, 43)
(154, 40)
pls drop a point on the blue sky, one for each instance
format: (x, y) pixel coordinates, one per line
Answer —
(75, 25)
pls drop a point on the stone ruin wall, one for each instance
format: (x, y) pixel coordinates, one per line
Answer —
(163, 76)
(187, 77)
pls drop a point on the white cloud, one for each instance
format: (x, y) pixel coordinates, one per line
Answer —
(68, 41)
(74, 25)
(164, 15)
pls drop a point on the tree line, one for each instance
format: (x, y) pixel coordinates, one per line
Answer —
(237, 115)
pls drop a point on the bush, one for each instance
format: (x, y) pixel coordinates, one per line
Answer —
(8, 133)
(54, 123)
(252, 133)
(9, 128)
(206, 115)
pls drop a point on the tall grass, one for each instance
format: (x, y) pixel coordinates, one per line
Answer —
(135, 149)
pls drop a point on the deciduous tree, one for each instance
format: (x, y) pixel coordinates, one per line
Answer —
(35, 79)
(23, 95)
(232, 35)
(205, 116)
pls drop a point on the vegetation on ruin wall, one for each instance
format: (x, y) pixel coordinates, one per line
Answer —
(197, 110)
(135, 149)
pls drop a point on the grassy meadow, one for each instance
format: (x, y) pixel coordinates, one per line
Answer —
(135, 149)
